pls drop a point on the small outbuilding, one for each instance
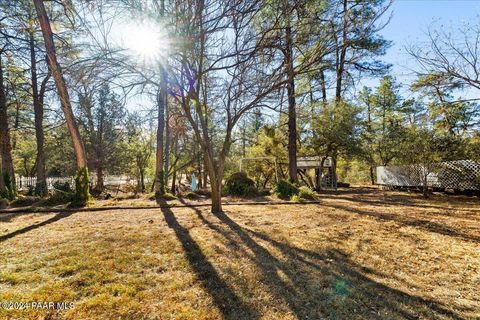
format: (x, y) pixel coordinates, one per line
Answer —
(324, 173)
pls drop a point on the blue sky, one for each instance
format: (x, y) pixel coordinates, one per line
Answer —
(411, 20)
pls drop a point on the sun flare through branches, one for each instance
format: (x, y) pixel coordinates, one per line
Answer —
(147, 41)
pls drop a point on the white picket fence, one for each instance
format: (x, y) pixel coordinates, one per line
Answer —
(24, 183)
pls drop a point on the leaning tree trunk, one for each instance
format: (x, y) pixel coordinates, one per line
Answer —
(81, 181)
(41, 185)
(7, 179)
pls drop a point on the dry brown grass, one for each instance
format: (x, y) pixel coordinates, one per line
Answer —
(357, 255)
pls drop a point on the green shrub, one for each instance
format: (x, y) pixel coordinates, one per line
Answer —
(9, 192)
(305, 193)
(295, 198)
(62, 186)
(285, 189)
(239, 184)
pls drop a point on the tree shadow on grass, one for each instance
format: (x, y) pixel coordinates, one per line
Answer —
(373, 295)
(231, 306)
(406, 220)
(324, 284)
(36, 225)
(395, 200)
(8, 216)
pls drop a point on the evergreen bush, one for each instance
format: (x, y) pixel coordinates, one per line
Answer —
(305, 193)
(285, 189)
(239, 184)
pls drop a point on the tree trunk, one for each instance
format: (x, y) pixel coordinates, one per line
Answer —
(320, 172)
(205, 177)
(292, 117)
(425, 189)
(197, 158)
(265, 182)
(174, 181)
(41, 185)
(173, 188)
(372, 176)
(199, 168)
(303, 174)
(159, 168)
(16, 124)
(99, 152)
(7, 180)
(81, 184)
(244, 143)
(324, 88)
(216, 196)
(159, 180)
(425, 183)
(167, 143)
(215, 175)
(100, 179)
(340, 68)
(142, 181)
(334, 171)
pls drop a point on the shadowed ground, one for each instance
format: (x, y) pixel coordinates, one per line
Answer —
(364, 255)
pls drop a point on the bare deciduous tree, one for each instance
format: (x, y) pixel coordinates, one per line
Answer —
(450, 61)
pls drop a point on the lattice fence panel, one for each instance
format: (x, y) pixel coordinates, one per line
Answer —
(461, 175)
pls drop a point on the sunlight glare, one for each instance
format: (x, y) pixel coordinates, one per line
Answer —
(146, 41)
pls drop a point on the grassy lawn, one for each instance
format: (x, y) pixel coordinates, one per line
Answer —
(357, 255)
